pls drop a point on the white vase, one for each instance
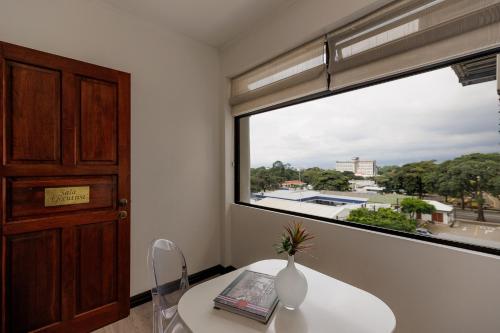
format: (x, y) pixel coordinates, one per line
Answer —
(291, 285)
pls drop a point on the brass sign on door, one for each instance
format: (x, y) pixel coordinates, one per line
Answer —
(61, 196)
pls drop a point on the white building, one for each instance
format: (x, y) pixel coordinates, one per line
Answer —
(365, 186)
(443, 214)
(366, 168)
(331, 212)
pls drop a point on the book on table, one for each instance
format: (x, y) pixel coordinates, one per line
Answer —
(251, 294)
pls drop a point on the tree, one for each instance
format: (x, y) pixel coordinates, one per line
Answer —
(415, 178)
(311, 175)
(414, 206)
(266, 179)
(445, 184)
(351, 175)
(388, 178)
(262, 179)
(383, 217)
(476, 174)
(331, 180)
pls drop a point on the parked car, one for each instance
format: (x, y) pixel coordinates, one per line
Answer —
(423, 232)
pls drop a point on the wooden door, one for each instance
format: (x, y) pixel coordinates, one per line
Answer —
(65, 193)
(437, 217)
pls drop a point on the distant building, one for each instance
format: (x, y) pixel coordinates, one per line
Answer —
(293, 184)
(365, 186)
(311, 197)
(367, 168)
(443, 214)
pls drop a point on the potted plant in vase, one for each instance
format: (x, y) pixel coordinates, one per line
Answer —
(291, 284)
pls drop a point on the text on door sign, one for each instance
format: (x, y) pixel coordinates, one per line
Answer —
(60, 196)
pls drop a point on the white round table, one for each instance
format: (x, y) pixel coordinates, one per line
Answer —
(330, 306)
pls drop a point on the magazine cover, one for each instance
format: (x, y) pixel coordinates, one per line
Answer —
(252, 292)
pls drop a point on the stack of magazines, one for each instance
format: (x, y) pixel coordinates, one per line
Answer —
(251, 294)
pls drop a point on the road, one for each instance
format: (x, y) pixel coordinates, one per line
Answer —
(472, 233)
(490, 215)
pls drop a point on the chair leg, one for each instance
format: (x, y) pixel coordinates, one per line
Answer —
(157, 320)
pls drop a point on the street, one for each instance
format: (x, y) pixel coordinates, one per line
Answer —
(467, 214)
(473, 233)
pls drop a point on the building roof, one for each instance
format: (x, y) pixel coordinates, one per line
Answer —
(308, 208)
(310, 195)
(293, 182)
(440, 206)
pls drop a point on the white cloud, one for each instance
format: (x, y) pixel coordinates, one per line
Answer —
(426, 116)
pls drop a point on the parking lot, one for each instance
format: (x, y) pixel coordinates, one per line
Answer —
(469, 232)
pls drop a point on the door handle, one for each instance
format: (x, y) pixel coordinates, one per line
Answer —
(123, 202)
(122, 214)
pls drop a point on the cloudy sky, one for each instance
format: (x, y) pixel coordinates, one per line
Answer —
(423, 117)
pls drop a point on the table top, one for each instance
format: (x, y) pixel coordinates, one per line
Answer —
(330, 306)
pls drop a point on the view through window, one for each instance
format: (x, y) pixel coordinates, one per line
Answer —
(419, 154)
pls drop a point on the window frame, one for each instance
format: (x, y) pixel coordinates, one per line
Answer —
(424, 69)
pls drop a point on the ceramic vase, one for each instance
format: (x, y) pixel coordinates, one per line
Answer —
(291, 285)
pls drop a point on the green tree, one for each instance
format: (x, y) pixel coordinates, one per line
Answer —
(262, 179)
(414, 206)
(415, 178)
(383, 217)
(268, 179)
(445, 184)
(388, 177)
(311, 175)
(476, 174)
(331, 180)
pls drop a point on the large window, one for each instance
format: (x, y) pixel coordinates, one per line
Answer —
(416, 156)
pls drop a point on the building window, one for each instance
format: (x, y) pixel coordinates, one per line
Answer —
(417, 156)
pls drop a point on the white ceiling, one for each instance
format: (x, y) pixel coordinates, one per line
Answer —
(214, 22)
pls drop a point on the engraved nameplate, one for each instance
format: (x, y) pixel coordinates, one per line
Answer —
(61, 196)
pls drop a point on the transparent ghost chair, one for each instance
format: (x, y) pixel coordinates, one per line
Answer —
(170, 281)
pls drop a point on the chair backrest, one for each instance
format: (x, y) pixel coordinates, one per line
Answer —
(168, 272)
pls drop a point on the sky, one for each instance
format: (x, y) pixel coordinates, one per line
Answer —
(429, 116)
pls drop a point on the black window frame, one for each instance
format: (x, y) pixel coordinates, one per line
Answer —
(428, 239)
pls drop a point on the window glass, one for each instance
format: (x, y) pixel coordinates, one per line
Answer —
(419, 155)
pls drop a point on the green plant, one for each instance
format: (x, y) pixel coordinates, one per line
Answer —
(293, 240)
(383, 217)
(415, 206)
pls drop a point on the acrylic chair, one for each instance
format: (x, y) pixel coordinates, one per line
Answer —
(170, 281)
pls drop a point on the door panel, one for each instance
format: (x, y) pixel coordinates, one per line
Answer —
(26, 196)
(33, 100)
(96, 248)
(437, 217)
(97, 130)
(33, 280)
(65, 129)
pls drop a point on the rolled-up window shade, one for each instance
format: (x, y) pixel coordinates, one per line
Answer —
(298, 73)
(411, 34)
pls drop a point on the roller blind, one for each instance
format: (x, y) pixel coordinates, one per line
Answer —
(296, 74)
(410, 34)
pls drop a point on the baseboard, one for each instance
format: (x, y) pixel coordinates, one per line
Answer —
(228, 269)
(139, 299)
(145, 296)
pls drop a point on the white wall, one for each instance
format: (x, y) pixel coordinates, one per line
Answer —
(431, 288)
(176, 123)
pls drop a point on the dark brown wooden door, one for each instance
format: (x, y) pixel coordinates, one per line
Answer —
(65, 193)
(437, 217)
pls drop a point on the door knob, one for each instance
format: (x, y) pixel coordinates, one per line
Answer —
(123, 202)
(122, 214)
